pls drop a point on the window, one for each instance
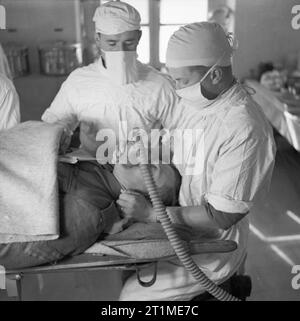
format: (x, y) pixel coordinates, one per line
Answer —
(176, 13)
(161, 18)
(143, 50)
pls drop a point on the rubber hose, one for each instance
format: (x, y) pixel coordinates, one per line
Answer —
(181, 249)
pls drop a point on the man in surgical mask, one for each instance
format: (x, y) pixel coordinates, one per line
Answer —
(224, 170)
(117, 87)
(117, 93)
(119, 57)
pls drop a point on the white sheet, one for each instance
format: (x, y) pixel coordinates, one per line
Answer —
(278, 113)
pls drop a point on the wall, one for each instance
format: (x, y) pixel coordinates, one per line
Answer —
(264, 32)
(33, 22)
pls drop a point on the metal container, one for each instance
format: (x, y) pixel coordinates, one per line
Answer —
(293, 82)
(18, 59)
(60, 58)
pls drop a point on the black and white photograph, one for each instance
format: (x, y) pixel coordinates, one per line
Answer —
(149, 151)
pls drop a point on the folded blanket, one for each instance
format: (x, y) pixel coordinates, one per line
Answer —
(29, 209)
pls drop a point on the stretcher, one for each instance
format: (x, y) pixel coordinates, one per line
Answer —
(93, 262)
(181, 249)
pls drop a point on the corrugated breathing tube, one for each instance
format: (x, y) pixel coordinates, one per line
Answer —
(180, 248)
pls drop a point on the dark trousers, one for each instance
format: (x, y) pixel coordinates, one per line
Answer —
(87, 192)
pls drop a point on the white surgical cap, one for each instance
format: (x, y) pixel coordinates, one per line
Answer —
(199, 44)
(116, 17)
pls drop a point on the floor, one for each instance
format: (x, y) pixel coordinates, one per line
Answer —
(274, 244)
(274, 247)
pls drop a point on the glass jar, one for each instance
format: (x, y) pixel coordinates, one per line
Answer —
(60, 58)
(18, 59)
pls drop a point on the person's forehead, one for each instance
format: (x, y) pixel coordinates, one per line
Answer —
(181, 72)
(127, 35)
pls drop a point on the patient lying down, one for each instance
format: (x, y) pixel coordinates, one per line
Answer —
(88, 209)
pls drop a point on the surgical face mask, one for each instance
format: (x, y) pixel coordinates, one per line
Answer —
(194, 93)
(121, 66)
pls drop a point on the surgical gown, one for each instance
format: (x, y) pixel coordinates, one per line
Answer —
(90, 99)
(232, 159)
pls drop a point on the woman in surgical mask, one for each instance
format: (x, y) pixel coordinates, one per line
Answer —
(119, 57)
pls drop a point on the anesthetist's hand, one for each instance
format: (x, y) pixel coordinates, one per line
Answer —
(135, 206)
